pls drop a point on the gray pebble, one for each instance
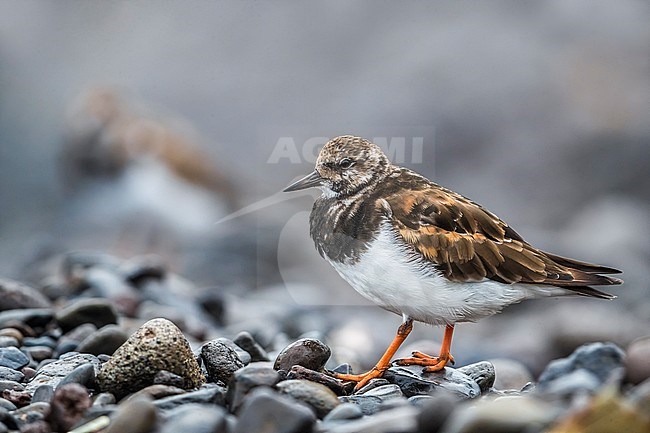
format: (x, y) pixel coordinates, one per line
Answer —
(246, 341)
(104, 399)
(15, 295)
(43, 393)
(579, 381)
(52, 373)
(99, 312)
(39, 341)
(600, 359)
(32, 317)
(6, 341)
(195, 418)
(134, 416)
(83, 375)
(386, 392)
(11, 374)
(481, 372)
(307, 352)
(510, 374)
(31, 413)
(38, 353)
(637, 360)
(368, 404)
(245, 379)
(344, 411)
(213, 395)
(267, 411)
(319, 397)
(105, 340)
(413, 381)
(220, 360)
(12, 357)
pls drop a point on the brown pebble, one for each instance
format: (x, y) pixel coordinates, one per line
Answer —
(12, 332)
(338, 386)
(68, 405)
(29, 373)
(19, 398)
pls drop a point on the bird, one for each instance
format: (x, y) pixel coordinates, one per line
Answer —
(425, 252)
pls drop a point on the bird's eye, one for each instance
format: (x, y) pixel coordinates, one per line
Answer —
(346, 163)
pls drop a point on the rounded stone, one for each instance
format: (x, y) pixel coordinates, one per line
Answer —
(195, 418)
(134, 416)
(221, 361)
(268, 411)
(99, 312)
(481, 372)
(307, 352)
(15, 295)
(510, 374)
(12, 357)
(157, 345)
(637, 361)
(105, 340)
(319, 397)
(344, 411)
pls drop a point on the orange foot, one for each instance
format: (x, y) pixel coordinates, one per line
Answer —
(431, 363)
(361, 379)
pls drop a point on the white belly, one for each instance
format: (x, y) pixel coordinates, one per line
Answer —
(396, 279)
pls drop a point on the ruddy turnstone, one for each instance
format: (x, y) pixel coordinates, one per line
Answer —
(424, 252)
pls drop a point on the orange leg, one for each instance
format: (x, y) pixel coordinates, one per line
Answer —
(382, 365)
(433, 363)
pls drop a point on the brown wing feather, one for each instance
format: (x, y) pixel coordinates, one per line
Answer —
(468, 243)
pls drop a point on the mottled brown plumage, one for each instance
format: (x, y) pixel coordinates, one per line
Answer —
(425, 252)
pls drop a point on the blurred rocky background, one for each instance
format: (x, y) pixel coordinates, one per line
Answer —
(167, 130)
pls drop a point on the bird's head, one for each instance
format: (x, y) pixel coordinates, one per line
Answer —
(345, 165)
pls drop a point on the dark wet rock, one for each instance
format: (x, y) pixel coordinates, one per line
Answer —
(338, 386)
(83, 375)
(157, 345)
(510, 374)
(413, 381)
(481, 372)
(505, 414)
(43, 393)
(402, 419)
(15, 295)
(31, 413)
(164, 377)
(79, 333)
(220, 360)
(6, 341)
(435, 411)
(319, 397)
(214, 305)
(598, 359)
(12, 357)
(246, 341)
(68, 405)
(39, 341)
(134, 416)
(386, 392)
(145, 267)
(99, 312)
(213, 395)
(637, 360)
(105, 340)
(344, 411)
(19, 398)
(11, 374)
(245, 379)
(157, 392)
(38, 353)
(270, 412)
(306, 352)
(372, 384)
(195, 418)
(32, 317)
(53, 373)
(368, 404)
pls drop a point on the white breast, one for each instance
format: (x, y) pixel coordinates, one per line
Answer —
(396, 278)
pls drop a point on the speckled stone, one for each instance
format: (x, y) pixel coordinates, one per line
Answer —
(157, 345)
(53, 373)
